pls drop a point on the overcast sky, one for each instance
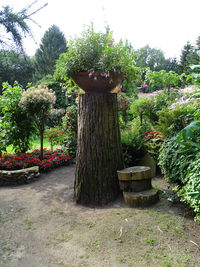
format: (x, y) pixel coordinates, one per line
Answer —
(163, 24)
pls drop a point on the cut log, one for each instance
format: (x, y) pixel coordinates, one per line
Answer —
(135, 186)
(141, 199)
(134, 173)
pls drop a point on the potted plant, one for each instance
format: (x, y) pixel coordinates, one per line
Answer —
(95, 62)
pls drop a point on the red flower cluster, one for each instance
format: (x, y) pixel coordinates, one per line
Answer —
(151, 135)
(51, 160)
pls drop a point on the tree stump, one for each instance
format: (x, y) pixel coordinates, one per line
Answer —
(136, 185)
(99, 153)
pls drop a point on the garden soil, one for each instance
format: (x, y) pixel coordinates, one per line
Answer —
(42, 226)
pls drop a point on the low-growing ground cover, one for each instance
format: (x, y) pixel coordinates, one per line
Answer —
(18, 161)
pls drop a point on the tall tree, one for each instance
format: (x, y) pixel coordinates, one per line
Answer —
(52, 45)
(152, 58)
(198, 43)
(14, 26)
(187, 58)
(15, 67)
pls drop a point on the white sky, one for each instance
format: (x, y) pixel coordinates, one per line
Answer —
(163, 24)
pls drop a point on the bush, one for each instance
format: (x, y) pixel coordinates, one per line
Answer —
(132, 141)
(190, 192)
(143, 108)
(180, 163)
(153, 143)
(177, 116)
(17, 127)
(174, 160)
(55, 136)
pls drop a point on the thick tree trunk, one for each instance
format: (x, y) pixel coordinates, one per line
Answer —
(99, 154)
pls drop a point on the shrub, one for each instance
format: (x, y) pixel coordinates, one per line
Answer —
(17, 126)
(190, 192)
(177, 116)
(180, 163)
(153, 143)
(132, 140)
(143, 108)
(55, 136)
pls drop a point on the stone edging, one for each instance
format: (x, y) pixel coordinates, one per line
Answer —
(22, 176)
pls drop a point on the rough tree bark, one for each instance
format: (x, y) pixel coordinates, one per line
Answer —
(99, 154)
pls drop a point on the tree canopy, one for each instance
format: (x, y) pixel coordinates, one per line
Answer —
(14, 26)
(52, 45)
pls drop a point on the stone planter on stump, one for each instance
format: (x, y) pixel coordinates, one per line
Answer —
(135, 182)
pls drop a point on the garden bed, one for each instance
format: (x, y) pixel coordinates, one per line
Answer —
(51, 160)
(24, 167)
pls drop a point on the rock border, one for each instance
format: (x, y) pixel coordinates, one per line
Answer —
(17, 177)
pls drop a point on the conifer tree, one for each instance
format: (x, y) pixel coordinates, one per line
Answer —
(52, 45)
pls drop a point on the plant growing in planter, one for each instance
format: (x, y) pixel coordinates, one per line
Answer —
(95, 62)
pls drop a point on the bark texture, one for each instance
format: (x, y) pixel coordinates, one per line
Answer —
(99, 153)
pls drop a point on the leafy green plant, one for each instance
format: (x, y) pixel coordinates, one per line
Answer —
(16, 125)
(179, 162)
(162, 79)
(55, 136)
(96, 52)
(196, 74)
(70, 124)
(190, 192)
(175, 158)
(133, 140)
(153, 143)
(143, 108)
(37, 102)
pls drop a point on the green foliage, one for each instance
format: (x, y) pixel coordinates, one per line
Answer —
(52, 45)
(143, 108)
(162, 79)
(124, 103)
(55, 136)
(132, 140)
(174, 118)
(70, 124)
(15, 67)
(15, 25)
(154, 59)
(174, 160)
(37, 102)
(96, 52)
(196, 69)
(153, 143)
(58, 88)
(180, 163)
(190, 192)
(16, 125)
(166, 98)
(187, 58)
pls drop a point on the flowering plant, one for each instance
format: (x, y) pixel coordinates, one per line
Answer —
(153, 143)
(50, 160)
(55, 136)
(96, 53)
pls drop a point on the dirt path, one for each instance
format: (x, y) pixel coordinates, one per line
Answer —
(41, 226)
